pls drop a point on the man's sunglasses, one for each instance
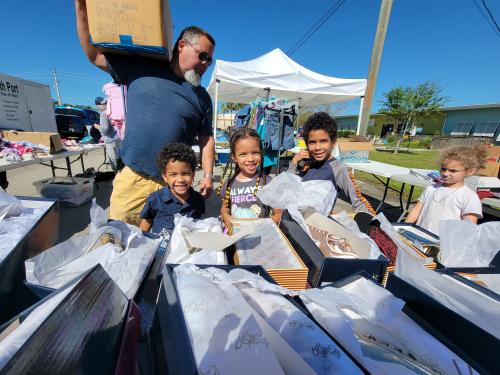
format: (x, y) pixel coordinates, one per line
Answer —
(203, 56)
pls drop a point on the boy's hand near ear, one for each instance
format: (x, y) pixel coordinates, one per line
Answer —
(304, 154)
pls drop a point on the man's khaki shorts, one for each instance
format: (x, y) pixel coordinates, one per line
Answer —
(130, 191)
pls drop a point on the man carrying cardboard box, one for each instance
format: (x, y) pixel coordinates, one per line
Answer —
(165, 104)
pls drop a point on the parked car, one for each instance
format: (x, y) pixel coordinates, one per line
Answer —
(72, 122)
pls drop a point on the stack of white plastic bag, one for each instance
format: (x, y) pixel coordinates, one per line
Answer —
(288, 192)
(369, 322)
(474, 306)
(15, 222)
(239, 323)
(125, 257)
(199, 241)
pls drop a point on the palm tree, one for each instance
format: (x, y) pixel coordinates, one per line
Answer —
(230, 107)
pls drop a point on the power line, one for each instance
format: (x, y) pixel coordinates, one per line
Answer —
(315, 27)
(487, 19)
(491, 15)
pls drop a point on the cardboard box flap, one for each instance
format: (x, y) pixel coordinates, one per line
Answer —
(51, 140)
(360, 247)
(348, 145)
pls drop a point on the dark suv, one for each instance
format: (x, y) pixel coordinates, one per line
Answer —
(71, 122)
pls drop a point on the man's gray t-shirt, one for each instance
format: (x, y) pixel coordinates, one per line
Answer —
(243, 202)
(162, 108)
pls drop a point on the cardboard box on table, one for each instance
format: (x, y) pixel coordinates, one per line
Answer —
(50, 140)
(131, 26)
(492, 167)
(170, 338)
(93, 330)
(476, 346)
(40, 237)
(291, 278)
(351, 151)
(323, 269)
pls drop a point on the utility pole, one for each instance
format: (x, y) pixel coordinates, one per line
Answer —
(378, 46)
(56, 86)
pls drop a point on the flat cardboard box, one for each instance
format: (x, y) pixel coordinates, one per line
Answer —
(353, 152)
(140, 26)
(51, 140)
(325, 269)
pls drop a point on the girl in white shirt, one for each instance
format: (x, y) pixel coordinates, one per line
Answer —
(451, 199)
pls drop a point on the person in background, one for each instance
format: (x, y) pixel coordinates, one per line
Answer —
(317, 162)
(165, 104)
(177, 162)
(109, 134)
(450, 198)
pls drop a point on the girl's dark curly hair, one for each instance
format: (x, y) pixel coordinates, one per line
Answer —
(320, 121)
(176, 152)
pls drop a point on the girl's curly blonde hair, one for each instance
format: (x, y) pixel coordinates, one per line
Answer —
(471, 157)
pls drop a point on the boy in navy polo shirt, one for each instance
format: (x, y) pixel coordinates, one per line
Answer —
(177, 163)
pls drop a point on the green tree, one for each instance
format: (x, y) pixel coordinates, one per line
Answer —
(230, 107)
(407, 105)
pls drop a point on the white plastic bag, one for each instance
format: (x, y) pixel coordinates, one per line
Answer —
(9, 205)
(368, 320)
(289, 191)
(179, 248)
(224, 334)
(474, 306)
(464, 244)
(126, 260)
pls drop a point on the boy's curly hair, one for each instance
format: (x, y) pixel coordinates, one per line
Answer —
(320, 121)
(176, 152)
(471, 157)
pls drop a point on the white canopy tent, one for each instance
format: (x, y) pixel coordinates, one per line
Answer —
(276, 73)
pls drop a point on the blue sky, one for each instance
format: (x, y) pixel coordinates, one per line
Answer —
(447, 41)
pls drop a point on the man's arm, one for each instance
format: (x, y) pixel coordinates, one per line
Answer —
(82, 26)
(207, 149)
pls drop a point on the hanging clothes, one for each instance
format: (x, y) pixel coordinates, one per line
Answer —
(242, 118)
(116, 107)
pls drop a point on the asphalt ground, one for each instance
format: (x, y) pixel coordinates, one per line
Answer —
(75, 221)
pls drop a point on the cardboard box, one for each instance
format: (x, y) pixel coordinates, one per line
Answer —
(476, 346)
(51, 140)
(350, 151)
(491, 169)
(137, 26)
(323, 269)
(88, 331)
(40, 237)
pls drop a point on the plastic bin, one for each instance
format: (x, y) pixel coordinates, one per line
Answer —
(70, 190)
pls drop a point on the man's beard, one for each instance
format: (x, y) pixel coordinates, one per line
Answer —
(192, 77)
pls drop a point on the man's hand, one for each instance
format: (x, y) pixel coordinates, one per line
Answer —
(206, 186)
(304, 154)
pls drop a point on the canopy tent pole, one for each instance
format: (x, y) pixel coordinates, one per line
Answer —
(358, 128)
(217, 81)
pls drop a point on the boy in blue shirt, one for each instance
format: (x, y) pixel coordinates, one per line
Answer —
(318, 163)
(177, 163)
